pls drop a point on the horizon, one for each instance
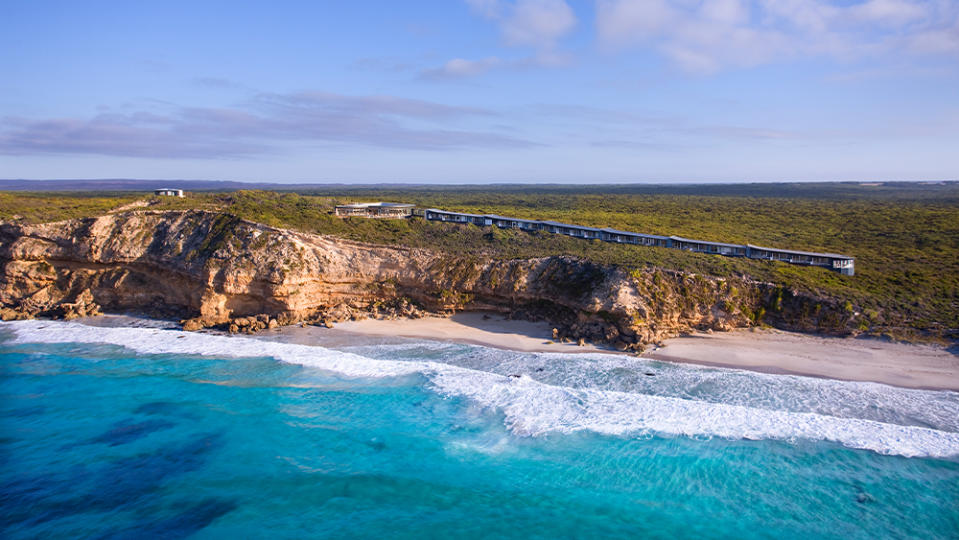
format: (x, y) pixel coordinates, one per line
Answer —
(201, 185)
(483, 92)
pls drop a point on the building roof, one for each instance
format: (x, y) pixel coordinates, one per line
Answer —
(454, 213)
(636, 234)
(681, 239)
(375, 205)
(641, 235)
(797, 252)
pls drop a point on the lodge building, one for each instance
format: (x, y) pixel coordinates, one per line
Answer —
(839, 263)
(374, 210)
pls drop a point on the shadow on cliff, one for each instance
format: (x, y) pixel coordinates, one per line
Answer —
(496, 323)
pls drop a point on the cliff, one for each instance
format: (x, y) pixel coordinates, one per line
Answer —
(215, 270)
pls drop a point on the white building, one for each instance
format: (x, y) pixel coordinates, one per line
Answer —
(374, 210)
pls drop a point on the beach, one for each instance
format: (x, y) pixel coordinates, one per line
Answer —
(762, 350)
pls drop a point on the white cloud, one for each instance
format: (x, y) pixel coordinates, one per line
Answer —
(486, 8)
(941, 40)
(725, 11)
(711, 35)
(536, 23)
(621, 22)
(460, 67)
(896, 12)
(261, 126)
(533, 23)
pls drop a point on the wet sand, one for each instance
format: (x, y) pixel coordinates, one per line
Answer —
(775, 351)
(489, 330)
(768, 351)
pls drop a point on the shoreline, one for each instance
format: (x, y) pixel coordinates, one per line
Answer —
(926, 367)
(777, 352)
(473, 328)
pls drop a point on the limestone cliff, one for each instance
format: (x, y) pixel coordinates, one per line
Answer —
(217, 270)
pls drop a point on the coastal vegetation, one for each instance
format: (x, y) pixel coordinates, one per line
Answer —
(905, 237)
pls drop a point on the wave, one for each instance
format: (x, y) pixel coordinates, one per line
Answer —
(535, 407)
(637, 375)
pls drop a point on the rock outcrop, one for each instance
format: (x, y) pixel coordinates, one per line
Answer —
(216, 270)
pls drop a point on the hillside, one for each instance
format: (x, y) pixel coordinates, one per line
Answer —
(905, 237)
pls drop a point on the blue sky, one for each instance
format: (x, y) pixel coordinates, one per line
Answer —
(457, 91)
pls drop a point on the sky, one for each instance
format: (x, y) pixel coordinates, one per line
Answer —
(476, 91)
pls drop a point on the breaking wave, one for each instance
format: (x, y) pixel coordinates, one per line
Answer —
(615, 395)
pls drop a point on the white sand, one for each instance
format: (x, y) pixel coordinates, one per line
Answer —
(769, 351)
(476, 328)
(775, 351)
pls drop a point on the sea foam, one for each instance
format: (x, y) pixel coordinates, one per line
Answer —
(535, 407)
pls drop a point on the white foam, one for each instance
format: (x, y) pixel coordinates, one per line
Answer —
(845, 399)
(531, 407)
(166, 341)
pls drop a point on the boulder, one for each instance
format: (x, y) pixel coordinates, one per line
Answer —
(192, 325)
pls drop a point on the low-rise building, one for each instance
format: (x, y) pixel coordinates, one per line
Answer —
(843, 264)
(167, 192)
(374, 210)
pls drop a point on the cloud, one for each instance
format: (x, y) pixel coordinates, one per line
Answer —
(623, 22)
(491, 9)
(394, 64)
(260, 126)
(942, 40)
(460, 67)
(523, 23)
(705, 37)
(535, 23)
(611, 128)
(214, 82)
(897, 12)
(538, 23)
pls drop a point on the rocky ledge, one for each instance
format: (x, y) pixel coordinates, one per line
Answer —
(216, 270)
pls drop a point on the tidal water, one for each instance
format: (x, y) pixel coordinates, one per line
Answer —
(148, 432)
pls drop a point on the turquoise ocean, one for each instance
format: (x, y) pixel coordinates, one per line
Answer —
(144, 431)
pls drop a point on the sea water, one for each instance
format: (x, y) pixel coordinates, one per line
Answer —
(147, 431)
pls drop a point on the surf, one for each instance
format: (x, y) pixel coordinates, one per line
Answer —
(534, 404)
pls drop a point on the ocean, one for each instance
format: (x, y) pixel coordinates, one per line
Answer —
(144, 431)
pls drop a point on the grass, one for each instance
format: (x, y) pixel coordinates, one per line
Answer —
(42, 207)
(905, 237)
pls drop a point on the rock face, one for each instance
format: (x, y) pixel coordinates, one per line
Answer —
(216, 270)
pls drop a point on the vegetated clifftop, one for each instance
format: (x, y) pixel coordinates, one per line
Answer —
(216, 270)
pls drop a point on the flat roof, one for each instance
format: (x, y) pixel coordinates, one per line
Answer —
(375, 205)
(797, 252)
(570, 226)
(642, 235)
(681, 239)
(453, 213)
(630, 233)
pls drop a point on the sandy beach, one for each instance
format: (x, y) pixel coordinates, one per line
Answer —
(768, 350)
(476, 328)
(762, 350)
(775, 351)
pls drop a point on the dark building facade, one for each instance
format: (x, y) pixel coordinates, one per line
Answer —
(843, 264)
